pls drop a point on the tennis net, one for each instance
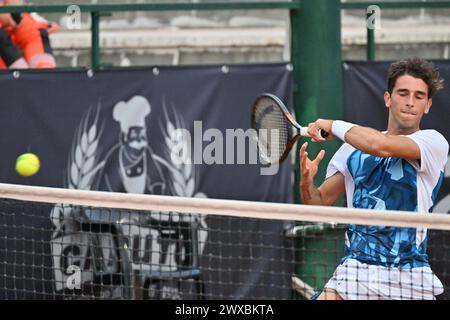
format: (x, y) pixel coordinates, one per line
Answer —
(73, 244)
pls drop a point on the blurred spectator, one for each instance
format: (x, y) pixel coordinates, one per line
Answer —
(24, 40)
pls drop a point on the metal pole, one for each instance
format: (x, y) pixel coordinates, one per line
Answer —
(316, 58)
(370, 41)
(95, 39)
(295, 21)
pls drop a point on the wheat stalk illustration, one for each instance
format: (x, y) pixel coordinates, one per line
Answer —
(83, 161)
(181, 169)
(177, 150)
(83, 164)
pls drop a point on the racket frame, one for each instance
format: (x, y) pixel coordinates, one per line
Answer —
(294, 135)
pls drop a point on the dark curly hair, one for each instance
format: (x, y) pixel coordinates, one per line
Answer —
(417, 68)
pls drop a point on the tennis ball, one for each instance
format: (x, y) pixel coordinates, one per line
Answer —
(27, 164)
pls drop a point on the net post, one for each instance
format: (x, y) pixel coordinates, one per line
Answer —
(316, 57)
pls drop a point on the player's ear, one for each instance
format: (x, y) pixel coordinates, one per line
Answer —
(428, 106)
(387, 99)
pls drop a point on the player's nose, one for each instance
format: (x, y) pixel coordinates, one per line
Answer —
(410, 101)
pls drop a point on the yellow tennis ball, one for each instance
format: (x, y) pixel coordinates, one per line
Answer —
(27, 164)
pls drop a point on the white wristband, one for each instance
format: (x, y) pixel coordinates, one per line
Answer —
(339, 128)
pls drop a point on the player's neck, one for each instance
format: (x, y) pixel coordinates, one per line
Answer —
(397, 131)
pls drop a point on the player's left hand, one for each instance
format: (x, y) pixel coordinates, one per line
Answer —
(320, 124)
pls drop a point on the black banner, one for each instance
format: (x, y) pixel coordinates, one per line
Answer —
(122, 130)
(364, 85)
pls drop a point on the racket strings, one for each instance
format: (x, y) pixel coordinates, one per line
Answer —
(273, 130)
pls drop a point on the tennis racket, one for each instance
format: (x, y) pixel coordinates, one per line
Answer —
(277, 130)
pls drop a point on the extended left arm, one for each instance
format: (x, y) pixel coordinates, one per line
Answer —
(371, 141)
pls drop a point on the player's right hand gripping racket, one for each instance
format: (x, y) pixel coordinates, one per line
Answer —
(277, 131)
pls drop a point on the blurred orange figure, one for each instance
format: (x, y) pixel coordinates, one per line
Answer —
(24, 40)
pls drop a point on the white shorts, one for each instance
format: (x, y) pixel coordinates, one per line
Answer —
(354, 280)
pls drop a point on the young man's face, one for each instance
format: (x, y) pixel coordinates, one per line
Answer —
(408, 102)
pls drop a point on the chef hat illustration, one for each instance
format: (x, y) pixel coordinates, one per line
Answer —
(131, 113)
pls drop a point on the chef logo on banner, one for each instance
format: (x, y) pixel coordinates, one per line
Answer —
(156, 243)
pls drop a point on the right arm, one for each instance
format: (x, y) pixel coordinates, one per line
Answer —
(330, 190)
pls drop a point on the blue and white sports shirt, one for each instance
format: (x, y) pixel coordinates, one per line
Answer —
(391, 184)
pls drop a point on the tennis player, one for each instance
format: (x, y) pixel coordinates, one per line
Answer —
(399, 169)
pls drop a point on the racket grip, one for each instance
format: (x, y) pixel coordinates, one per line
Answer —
(304, 132)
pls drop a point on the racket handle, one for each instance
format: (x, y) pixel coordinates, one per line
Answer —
(304, 132)
(324, 134)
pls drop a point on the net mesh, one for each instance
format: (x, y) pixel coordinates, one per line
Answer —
(63, 251)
